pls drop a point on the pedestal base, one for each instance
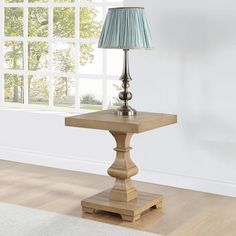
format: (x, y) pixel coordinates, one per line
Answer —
(130, 211)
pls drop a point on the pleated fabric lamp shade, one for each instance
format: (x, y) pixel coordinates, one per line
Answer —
(125, 28)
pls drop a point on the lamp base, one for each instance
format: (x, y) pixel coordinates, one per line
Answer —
(125, 111)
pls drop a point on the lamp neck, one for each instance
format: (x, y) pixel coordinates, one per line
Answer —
(126, 63)
(125, 95)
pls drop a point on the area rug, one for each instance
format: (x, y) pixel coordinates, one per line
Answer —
(22, 221)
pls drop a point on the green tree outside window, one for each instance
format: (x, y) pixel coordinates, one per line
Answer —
(64, 26)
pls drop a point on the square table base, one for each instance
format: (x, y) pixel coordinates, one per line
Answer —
(130, 211)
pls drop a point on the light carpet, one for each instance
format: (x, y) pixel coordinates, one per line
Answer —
(23, 221)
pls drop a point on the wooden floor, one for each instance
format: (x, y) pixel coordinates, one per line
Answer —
(184, 213)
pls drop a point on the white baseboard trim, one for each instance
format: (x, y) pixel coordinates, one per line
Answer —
(179, 180)
(52, 160)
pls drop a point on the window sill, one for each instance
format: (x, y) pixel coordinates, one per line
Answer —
(39, 110)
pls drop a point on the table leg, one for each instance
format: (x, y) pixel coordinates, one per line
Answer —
(123, 198)
(122, 169)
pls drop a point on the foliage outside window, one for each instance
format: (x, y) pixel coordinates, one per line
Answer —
(50, 56)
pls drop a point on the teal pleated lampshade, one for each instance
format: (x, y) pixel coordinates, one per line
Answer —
(125, 28)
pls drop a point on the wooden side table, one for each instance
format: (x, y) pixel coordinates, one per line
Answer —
(123, 198)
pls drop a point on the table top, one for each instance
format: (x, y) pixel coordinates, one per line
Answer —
(107, 120)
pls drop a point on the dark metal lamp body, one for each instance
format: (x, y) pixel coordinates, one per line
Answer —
(125, 95)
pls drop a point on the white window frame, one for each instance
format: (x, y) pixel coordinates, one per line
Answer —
(104, 4)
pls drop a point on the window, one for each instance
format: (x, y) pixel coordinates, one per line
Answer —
(49, 56)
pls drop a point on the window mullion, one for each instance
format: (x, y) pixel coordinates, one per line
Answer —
(63, 4)
(104, 81)
(25, 48)
(77, 54)
(50, 53)
(104, 71)
(1, 53)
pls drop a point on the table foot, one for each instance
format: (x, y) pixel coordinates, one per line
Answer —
(157, 206)
(131, 218)
(130, 211)
(88, 210)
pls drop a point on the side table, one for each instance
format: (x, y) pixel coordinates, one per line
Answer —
(123, 198)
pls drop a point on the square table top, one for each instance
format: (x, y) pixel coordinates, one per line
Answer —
(107, 120)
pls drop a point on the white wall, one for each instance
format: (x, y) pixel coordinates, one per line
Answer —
(42, 138)
(191, 72)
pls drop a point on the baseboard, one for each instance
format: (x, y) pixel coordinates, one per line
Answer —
(52, 160)
(179, 180)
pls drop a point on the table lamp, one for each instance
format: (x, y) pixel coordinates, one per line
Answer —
(125, 28)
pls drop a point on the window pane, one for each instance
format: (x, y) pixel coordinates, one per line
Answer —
(64, 22)
(63, 57)
(13, 1)
(38, 56)
(90, 59)
(13, 55)
(113, 89)
(114, 62)
(13, 88)
(64, 92)
(90, 22)
(38, 22)
(90, 1)
(37, 0)
(90, 91)
(64, 0)
(38, 90)
(13, 21)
